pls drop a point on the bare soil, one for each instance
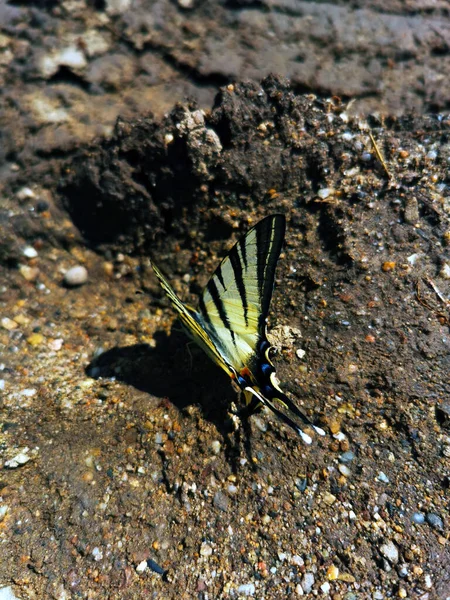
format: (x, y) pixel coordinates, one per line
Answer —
(123, 473)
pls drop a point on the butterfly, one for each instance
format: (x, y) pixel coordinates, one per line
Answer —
(231, 320)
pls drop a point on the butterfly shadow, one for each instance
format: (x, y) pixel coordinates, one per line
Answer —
(179, 371)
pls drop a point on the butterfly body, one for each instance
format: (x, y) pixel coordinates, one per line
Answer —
(230, 323)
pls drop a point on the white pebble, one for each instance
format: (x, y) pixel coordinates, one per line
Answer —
(205, 550)
(29, 252)
(325, 587)
(215, 446)
(308, 582)
(247, 589)
(25, 193)
(344, 470)
(3, 510)
(445, 271)
(389, 550)
(6, 593)
(325, 192)
(17, 461)
(76, 276)
(97, 554)
(300, 353)
(142, 566)
(383, 477)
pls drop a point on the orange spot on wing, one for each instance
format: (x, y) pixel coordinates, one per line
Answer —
(245, 371)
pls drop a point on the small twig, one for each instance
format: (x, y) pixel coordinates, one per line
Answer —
(379, 156)
(437, 291)
(443, 318)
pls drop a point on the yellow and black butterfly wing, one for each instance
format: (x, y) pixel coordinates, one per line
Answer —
(234, 306)
(189, 319)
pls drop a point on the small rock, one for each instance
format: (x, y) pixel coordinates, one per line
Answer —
(382, 477)
(205, 550)
(346, 457)
(35, 339)
(220, 501)
(142, 566)
(29, 273)
(6, 593)
(332, 572)
(308, 582)
(325, 587)
(246, 589)
(117, 7)
(390, 552)
(17, 461)
(418, 518)
(445, 271)
(29, 252)
(97, 554)
(344, 470)
(3, 511)
(8, 324)
(325, 192)
(329, 498)
(215, 446)
(76, 276)
(435, 521)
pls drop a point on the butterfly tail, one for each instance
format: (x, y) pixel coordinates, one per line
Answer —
(290, 406)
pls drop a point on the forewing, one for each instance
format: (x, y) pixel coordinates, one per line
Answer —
(192, 323)
(236, 301)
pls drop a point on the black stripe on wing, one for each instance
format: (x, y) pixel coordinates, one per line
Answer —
(212, 289)
(239, 278)
(269, 239)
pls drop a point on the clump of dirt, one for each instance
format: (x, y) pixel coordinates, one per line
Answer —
(130, 478)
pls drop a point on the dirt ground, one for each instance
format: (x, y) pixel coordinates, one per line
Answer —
(123, 474)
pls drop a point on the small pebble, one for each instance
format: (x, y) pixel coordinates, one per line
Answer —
(35, 339)
(8, 324)
(332, 572)
(308, 582)
(418, 518)
(6, 593)
(445, 271)
(221, 501)
(346, 457)
(324, 193)
(246, 589)
(20, 459)
(76, 276)
(297, 560)
(3, 511)
(97, 554)
(151, 564)
(142, 566)
(382, 477)
(215, 446)
(325, 587)
(29, 273)
(344, 470)
(29, 252)
(435, 521)
(260, 424)
(205, 550)
(329, 498)
(389, 550)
